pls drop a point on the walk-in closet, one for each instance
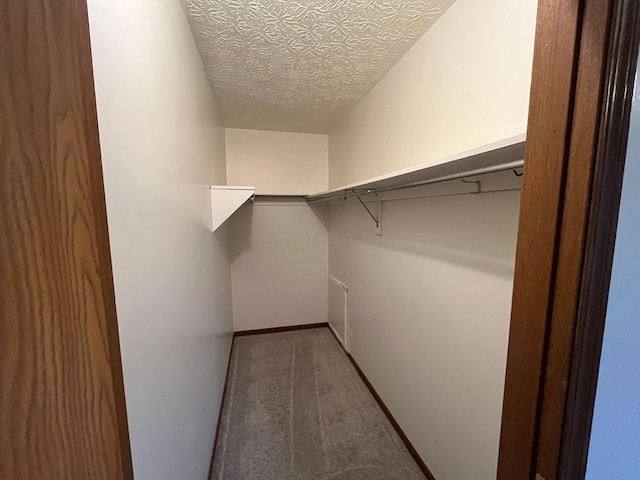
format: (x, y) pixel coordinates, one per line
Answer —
(312, 213)
(358, 168)
(319, 240)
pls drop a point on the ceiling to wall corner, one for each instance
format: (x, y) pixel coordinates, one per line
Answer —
(300, 65)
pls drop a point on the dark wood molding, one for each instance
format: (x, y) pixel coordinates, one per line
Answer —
(549, 126)
(224, 396)
(62, 404)
(574, 163)
(601, 235)
(102, 236)
(412, 451)
(581, 159)
(289, 328)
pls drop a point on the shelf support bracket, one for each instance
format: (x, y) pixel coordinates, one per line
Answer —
(478, 185)
(368, 211)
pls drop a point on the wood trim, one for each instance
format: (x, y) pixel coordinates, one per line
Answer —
(62, 405)
(102, 235)
(563, 267)
(289, 328)
(585, 126)
(549, 124)
(407, 443)
(224, 396)
(601, 235)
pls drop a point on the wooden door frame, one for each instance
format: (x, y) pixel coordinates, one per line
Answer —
(62, 404)
(584, 66)
(601, 235)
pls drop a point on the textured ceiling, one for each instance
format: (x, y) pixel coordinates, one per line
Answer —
(300, 65)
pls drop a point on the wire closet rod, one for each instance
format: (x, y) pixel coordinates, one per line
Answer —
(352, 192)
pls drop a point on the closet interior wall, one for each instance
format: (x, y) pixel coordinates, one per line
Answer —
(162, 144)
(280, 246)
(279, 264)
(277, 163)
(427, 317)
(428, 302)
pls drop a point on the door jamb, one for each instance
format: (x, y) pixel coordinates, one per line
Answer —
(584, 63)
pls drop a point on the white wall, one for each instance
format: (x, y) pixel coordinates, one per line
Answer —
(162, 145)
(429, 300)
(277, 162)
(614, 450)
(280, 256)
(428, 318)
(465, 83)
(279, 248)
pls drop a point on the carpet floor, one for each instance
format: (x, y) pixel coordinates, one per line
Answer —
(296, 409)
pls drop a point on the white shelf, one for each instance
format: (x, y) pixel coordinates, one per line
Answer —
(225, 200)
(483, 157)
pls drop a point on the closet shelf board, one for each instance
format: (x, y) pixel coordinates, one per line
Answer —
(225, 200)
(493, 154)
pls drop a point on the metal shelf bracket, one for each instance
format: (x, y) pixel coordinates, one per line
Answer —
(377, 219)
(478, 185)
(369, 212)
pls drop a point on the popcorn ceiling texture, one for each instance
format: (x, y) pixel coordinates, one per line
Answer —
(299, 65)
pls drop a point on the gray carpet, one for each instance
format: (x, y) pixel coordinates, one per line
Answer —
(296, 409)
